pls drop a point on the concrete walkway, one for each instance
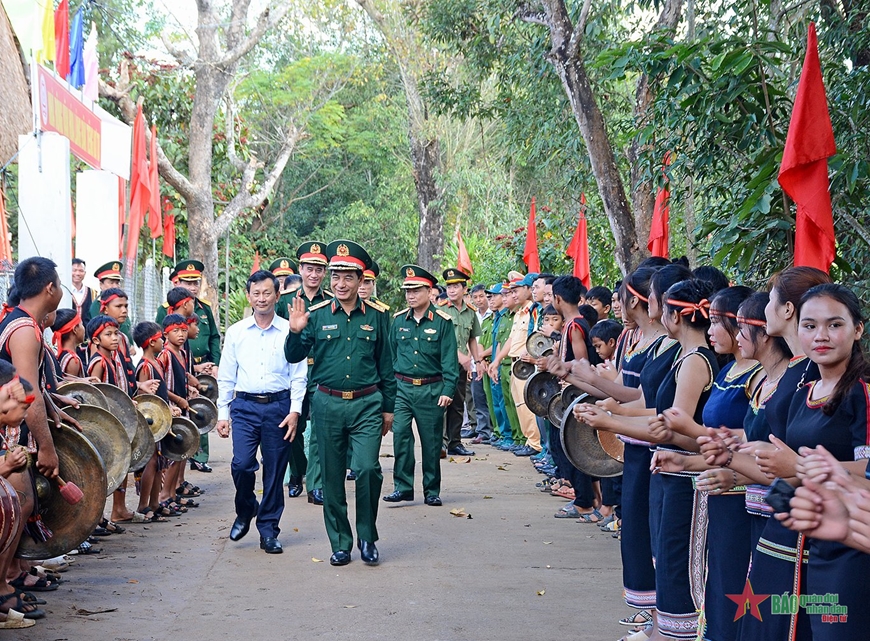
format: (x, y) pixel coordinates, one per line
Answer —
(509, 571)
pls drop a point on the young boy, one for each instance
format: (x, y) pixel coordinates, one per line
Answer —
(552, 323)
(600, 298)
(176, 369)
(68, 333)
(149, 337)
(604, 337)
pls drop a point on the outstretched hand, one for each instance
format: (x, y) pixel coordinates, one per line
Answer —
(298, 315)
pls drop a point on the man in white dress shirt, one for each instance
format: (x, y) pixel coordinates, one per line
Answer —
(260, 394)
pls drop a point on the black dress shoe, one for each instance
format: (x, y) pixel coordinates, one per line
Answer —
(434, 501)
(397, 496)
(351, 475)
(316, 497)
(199, 467)
(241, 526)
(460, 450)
(367, 552)
(339, 558)
(294, 487)
(271, 545)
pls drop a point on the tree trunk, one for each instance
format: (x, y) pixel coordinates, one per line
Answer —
(430, 239)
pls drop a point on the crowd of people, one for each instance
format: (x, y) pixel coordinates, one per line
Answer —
(743, 507)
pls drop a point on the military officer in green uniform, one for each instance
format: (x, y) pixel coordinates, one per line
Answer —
(205, 349)
(311, 256)
(109, 276)
(467, 328)
(367, 287)
(282, 268)
(355, 395)
(427, 367)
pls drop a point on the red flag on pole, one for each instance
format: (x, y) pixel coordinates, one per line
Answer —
(659, 228)
(530, 251)
(464, 260)
(61, 39)
(154, 223)
(578, 249)
(256, 266)
(139, 192)
(168, 229)
(803, 173)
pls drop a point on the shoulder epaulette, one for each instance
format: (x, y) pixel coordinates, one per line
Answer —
(204, 302)
(400, 312)
(444, 315)
(165, 305)
(472, 306)
(441, 303)
(323, 303)
(284, 291)
(378, 305)
(328, 293)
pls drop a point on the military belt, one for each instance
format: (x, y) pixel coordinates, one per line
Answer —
(419, 381)
(348, 395)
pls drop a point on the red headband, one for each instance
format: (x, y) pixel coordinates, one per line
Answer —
(109, 299)
(725, 314)
(169, 328)
(100, 329)
(57, 337)
(192, 320)
(156, 336)
(16, 379)
(742, 320)
(691, 308)
(180, 303)
(634, 292)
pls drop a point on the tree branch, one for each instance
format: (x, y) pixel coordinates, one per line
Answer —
(230, 118)
(247, 197)
(182, 56)
(579, 30)
(121, 97)
(533, 15)
(863, 232)
(268, 18)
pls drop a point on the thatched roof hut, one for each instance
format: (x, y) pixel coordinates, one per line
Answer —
(15, 111)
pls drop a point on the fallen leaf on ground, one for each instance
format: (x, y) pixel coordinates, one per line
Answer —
(548, 543)
(350, 606)
(451, 460)
(459, 511)
(502, 468)
(468, 460)
(296, 529)
(316, 560)
(132, 581)
(486, 496)
(541, 592)
(87, 613)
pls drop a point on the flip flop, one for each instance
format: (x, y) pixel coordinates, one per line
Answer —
(16, 621)
(565, 493)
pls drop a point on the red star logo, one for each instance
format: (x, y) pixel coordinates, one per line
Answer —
(748, 601)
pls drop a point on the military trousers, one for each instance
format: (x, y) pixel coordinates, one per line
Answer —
(201, 455)
(453, 415)
(339, 424)
(417, 403)
(504, 378)
(306, 461)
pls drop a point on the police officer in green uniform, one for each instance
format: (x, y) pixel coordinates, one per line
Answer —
(205, 350)
(282, 268)
(109, 276)
(426, 365)
(355, 395)
(311, 256)
(467, 328)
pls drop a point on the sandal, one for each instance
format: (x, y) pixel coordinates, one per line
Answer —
(31, 599)
(16, 621)
(565, 492)
(641, 618)
(567, 512)
(186, 502)
(42, 573)
(86, 548)
(101, 531)
(21, 606)
(173, 507)
(41, 585)
(610, 518)
(188, 489)
(613, 526)
(150, 516)
(137, 517)
(112, 527)
(591, 517)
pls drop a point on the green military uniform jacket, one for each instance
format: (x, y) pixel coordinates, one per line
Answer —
(465, 323)
(126, 327)
(427, 348)
(351, 352)
(207, 346)
(486, 336)
(504, 330)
